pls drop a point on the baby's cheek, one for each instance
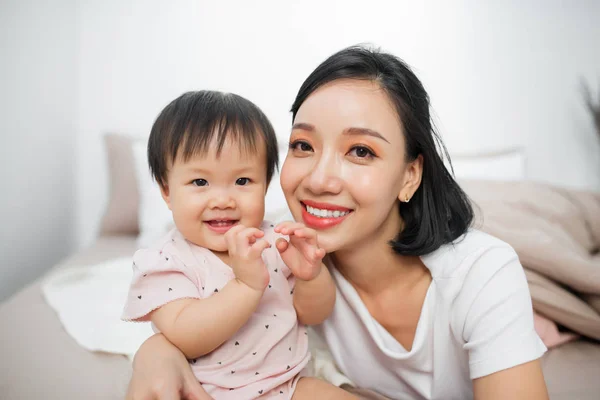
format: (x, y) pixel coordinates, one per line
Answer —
(255, 209)
(220, 245)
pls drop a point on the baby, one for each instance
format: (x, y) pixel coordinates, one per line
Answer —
(228, 289)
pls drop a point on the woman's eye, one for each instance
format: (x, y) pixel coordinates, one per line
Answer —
(200, 182)
(300, 145)
(242, 181)
(361, 152)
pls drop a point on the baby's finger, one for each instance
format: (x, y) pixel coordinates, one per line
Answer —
(257, 248)
(243, 238)
(230, 236)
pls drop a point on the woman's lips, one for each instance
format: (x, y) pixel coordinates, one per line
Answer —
(324, 206)
(323, 222)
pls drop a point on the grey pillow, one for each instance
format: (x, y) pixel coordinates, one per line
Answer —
(121, 214)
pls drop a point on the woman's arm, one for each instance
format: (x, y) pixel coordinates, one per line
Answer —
(197, 327)
(314, 290)
(523, 382)
(160, 371)
(314, 299)
(503, 346)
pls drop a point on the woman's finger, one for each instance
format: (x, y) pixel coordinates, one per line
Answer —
(281, 244)
(309, 235)
(167, 394)
(193, 390)
(281, 225)
(320, 254)
(288, 228)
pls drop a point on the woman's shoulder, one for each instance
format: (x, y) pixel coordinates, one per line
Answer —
(479, 269)
(471, 250)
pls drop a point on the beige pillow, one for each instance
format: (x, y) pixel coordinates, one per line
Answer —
(121, 215)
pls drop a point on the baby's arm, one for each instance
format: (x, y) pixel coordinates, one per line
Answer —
(314, 293)
(198, 326)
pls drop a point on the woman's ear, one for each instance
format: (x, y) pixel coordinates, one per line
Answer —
(412, 179)
(164, 191)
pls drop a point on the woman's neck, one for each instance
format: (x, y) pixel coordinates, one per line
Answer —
(374, 267)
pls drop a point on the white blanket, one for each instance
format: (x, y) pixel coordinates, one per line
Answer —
(89, 301)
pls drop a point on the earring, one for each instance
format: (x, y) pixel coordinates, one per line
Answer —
(406, 199)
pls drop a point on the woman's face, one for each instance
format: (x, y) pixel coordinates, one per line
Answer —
(345, 171)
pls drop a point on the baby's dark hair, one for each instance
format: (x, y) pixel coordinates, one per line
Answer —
(195, 120)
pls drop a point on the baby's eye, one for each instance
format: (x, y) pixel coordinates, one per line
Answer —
(300, 145)
(361, 152)
(200, 182)
(242, 181)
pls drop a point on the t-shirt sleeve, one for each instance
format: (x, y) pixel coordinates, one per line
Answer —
(498, 326)
(159, 277)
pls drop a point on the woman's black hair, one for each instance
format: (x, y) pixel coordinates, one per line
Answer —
(195, 120)
(439, 211)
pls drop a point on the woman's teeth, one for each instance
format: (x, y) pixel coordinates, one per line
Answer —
(325, 213)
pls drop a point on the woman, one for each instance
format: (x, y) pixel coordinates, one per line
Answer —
(427, 308)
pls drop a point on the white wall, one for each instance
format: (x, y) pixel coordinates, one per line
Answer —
(500, 74)
(38, 50)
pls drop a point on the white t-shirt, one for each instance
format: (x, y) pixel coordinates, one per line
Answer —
(477, 319)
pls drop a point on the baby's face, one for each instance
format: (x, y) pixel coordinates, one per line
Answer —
(209, 195)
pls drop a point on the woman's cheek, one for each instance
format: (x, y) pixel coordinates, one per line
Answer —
(369, 183)
(289, 177)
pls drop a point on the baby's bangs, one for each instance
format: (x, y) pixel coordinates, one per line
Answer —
(225, 118)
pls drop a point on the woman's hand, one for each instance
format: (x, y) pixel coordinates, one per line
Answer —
(301, 254)
(161, 372)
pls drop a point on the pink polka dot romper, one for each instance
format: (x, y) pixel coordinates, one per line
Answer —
(265, 357)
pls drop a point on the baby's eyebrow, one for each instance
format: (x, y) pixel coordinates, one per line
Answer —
(200, 170)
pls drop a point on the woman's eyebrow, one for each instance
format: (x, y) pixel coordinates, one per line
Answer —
(304, 126)
(363, 131)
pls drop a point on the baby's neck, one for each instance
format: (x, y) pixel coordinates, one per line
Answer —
(222, 255)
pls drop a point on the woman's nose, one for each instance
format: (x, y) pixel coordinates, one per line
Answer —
(325, 176)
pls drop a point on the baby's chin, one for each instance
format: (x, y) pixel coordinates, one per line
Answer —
(214, 246)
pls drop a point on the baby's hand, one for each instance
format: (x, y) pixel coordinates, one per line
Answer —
(301, 254)
(245, 249)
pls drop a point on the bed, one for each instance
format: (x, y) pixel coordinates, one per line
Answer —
(39, 360)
